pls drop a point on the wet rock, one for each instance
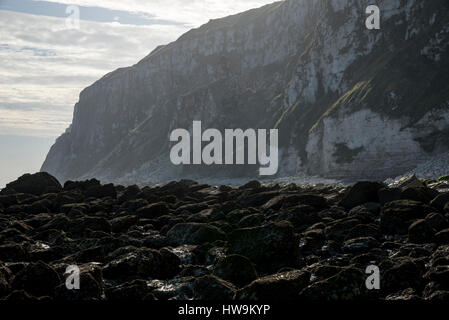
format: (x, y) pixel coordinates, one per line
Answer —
(138, 263)
(437, 221)
(154, 210)
(37, 184)
(440, 201)
(212, 288)
(281, 286)
(236, 269)
(442, 237)
(404, 273)
(361, 193)
(397, 216)
(38, 279)
(348, 284)
(408, 294)
(420, 232)
(121, 224)
(270, 247)
(101, 191)
(360, 245)
(389, 194)
(13, 252)
(194, 233)
(136, 290)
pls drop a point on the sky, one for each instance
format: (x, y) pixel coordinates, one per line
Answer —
(47, 58)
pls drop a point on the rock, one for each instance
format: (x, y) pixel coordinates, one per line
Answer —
(442, 237)
(270, 247)
(13, 252)
(408, 294)
(403, 274)
(8, 200)
(236, 269)
(153, 210)
(121, 224)
(194, 233)
(361, 193)
(38, 279)
(420, 232)
(389, 194)
(397, 216)
(360, 245)
(440, 201)
(348, 284)
(36, 184)
(101, 191)
(136, 290)
(212, 288)
(437, 221)
(440, 275)
(411, 182)
(90, 290)
(420, 194)
(281, 286)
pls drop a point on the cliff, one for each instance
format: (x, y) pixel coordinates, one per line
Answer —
(348, 102)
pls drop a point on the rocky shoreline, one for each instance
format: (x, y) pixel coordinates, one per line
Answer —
(185, 240)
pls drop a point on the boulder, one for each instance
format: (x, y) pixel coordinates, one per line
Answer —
(397, 216)
(361, 193)
(153, 210)
(194, 233)
(270, 247)
(236, 269)
(211, 288)
(38, 279)
(36, 184)
(277, 287)
(420, 231)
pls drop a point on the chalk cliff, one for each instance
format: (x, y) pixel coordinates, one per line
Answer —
(348, 102)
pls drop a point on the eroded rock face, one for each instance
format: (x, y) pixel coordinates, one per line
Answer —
(299, 247)
(348, 102)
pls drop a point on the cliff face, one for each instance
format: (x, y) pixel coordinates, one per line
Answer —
(346, 100)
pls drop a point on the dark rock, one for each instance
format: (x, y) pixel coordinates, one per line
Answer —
(13, 252)
(361, 193)
(38, 279)
(420, 232)
(397, 216)
(442, 237)
(282, 286)
(154, 210)
(348, 284)
(212, 288)
(121, 224)
(194, 233)
(37, 184)
(389, 194)
(270, 247)
(440, 201)
(236, 269)
(138, 263)
(101, 191)
(421, 194)
(437, 221)
(136, 290)
(408, 294)
(403, 274)
(360, 245)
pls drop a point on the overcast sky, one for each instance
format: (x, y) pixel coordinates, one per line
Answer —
(44, 65)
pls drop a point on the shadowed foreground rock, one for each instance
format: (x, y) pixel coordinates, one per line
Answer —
(189, 241)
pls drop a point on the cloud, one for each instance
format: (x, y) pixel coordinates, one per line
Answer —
(191, 12)
(45, 66)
